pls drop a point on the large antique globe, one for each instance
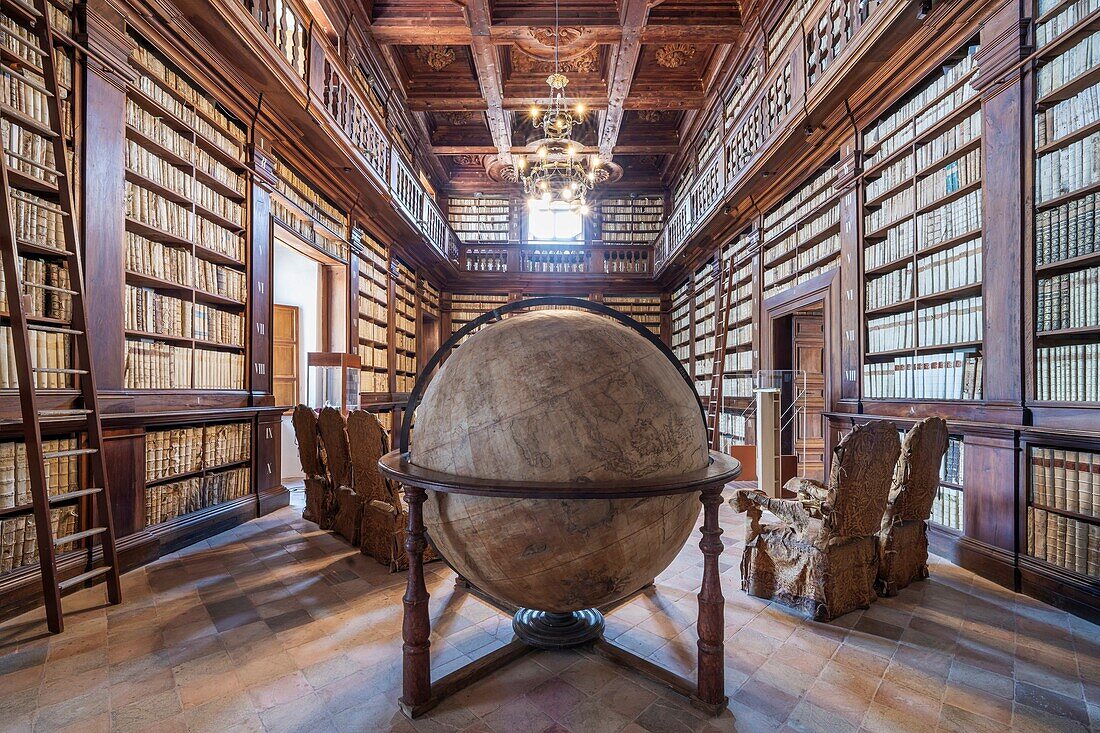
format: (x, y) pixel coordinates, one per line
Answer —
(559, 396)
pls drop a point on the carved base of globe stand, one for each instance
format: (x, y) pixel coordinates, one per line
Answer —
(548, 630)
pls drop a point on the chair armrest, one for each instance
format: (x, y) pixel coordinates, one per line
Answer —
(384, 508)
(807, 488)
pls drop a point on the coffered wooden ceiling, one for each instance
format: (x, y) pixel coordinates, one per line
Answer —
(472, 68)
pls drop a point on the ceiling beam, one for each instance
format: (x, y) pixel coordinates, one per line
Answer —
(623, 66)
(419, 33)
(489, 75)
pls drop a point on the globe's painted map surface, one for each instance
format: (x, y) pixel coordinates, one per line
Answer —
(559, 396)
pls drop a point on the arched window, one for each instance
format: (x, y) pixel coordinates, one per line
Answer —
(548, 223)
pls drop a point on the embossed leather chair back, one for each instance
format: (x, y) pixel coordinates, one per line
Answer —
(859, 480)
(304, 421)
(917, 477)
(334, 436)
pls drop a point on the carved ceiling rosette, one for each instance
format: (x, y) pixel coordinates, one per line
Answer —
(460, 118)
(675, 55)
(469, 161)
(573, 43)
(585, 63)
(653, 115)
(436, 57)
(499, 171)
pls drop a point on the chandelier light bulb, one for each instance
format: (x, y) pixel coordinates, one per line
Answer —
(542, 151)
(579, 108)
(534, 111)
(584, 209)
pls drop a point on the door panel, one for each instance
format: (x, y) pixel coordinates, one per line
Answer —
(809, 356)
(284, 348)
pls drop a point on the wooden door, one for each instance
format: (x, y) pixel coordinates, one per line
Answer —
(284, 361)
(808, 351)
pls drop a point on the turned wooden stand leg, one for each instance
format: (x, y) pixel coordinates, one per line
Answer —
(711, 681)
(416, 685)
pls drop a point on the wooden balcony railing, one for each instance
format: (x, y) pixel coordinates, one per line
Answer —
(286, 27)
(557, 259)
(762, 115)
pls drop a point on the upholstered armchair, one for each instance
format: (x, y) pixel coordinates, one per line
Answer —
(903, 535)
(317, 483)
(821, 556)
(346, 507)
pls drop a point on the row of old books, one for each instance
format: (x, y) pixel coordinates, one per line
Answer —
(36, 220)
(151, 209)
(168, 501)
(804, 262)
(898, 243)
(890, 333)
(1068, 169)
(303, 195)
(954, 268)
(891, 210)
(218, 326)
(829, 249)
(803, 233)
(1064, 541)
(805, 199)
(955, 176)
(734, 427)
(156, 365)
(28, 152)
(48, 350)
(158, 170)
(1068, 373)
(26, 97)
(955, 375)
(947, 508)
(1068, 116)
(216, 279)
(952, 467)
(1067, 231)
(1068, 480)
(737, 386)
(889, 178)
(1071, 300)
(927, 105)
(947, 143)
(226, 135)
(152, 312)
(1079, 59)
(18, 541)
(187, 450)
(1068, 16)
(62, 472)
(956, 322)
(43, 302)
(953, 219)
(893, 287)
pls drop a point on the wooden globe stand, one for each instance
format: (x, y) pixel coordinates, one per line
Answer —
(537, 629)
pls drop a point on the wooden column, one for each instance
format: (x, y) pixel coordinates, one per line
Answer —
(102, 217)
(260, 271)
(849, 321)
(416, 683)
(711, 626)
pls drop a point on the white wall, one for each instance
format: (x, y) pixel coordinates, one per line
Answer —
(297, 282)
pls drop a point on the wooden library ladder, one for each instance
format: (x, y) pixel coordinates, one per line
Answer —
(84, 416)
(726, 277)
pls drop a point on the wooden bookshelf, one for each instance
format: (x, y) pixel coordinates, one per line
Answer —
(186, 273)
(1063, 508)
(630, 220)
(301, 208)
(465, 307)
(949, 508)
(480, 218)
(801, 236)
(734, 425)
(704, 324)
(373, 322)
(404, 325)
(1067, 245)
(646, 309)
(922, 241)
(681, 324)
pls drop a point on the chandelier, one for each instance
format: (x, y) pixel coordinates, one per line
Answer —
(558, 176)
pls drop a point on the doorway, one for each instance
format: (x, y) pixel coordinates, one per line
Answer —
(799, 347)
(285, 374)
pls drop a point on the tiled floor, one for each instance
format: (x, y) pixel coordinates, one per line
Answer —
(277, 626)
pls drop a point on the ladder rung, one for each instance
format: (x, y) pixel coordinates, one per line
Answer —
(28, 81)
(64, 413)
(77, 580)
(52, 329)
(52, 370)
(70, 495)
(76, 537)
(51, 288)
(67, 453)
